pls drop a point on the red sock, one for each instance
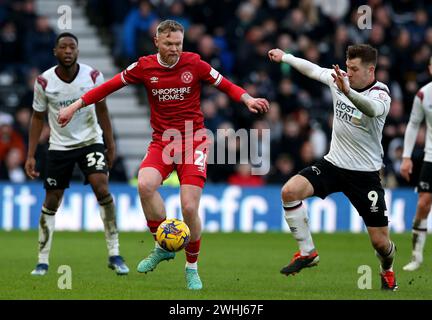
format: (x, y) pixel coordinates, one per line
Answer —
(153, 225)
(192, 251)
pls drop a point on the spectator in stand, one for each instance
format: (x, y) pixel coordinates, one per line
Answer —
(138, 20)
(10, 139)
(39, 44)
(243, 177)
(282, 171)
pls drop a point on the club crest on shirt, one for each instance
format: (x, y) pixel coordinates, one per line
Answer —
(186, 77)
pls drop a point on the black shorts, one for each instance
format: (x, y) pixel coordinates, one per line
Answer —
(425, 179)
(60, 165)
(362, 188)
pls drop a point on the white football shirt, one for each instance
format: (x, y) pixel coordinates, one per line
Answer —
(421, 109)
(51, 93)
(356, 137)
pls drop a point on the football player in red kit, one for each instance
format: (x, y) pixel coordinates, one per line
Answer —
(172, 79)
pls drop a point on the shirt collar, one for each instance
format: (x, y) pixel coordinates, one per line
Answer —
(163, 64)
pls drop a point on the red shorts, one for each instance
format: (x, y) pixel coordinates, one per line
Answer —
(190, 161)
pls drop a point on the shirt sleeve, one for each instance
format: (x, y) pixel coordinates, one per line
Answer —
(99, 79)
(208, 74)
(416, 118)
(309, 69)
(382, 97)
(40, 101)
(132, 74)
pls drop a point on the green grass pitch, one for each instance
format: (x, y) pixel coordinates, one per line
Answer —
(232, 266)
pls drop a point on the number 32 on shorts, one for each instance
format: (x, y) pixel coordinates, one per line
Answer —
(95, 158)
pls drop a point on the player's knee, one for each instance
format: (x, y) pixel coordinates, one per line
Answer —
(52, 200)
(101, 192)
(288, 193)
(145, 189)
(189, 210)
(424, 203)
(380, 244)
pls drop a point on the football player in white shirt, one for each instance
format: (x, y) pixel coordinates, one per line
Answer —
(82, 144)
(421, 109)
(352, 165)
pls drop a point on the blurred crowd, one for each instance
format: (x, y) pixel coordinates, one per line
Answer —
(234, 37)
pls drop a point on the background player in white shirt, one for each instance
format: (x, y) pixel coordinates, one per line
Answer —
(80, 143)
(421, 109)
(352, 165)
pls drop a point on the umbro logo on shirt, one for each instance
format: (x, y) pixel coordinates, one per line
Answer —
(154, 79)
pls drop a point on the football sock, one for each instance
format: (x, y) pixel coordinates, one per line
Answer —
(153, 226)
(388, 258)
(297, 219)
(191, 265)
(192, 251)
(46, 230)
(107, 212)
(418, 239)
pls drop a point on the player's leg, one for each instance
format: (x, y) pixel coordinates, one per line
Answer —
(385, 250)
(152, 172)
(91, 160)
(192, 175)
(419, 230)
(58, 171)
(365, 192)
(99, 183)
(46, 229)
(190, 195)
(319, 180)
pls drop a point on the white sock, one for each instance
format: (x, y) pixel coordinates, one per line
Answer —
(46, 230)
(297, 219)
(419, 239)
(193, 265)
(107, 212)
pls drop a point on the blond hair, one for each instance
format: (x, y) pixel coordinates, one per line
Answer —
(169, 26)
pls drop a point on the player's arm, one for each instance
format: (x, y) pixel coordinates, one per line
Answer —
(304, 66)
(369, 106)
(90, 97)
(129, 76)
(105, 123)
(416, 118)
(238, 94)
(36, 126)
(40, 105)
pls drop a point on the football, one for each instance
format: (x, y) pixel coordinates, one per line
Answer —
(173, 235)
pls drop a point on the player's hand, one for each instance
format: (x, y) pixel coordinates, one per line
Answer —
(257, 105)
(406, 168)
(65, 114)
(30, 166)
(110, 154)
(341, 79)
(276, 55)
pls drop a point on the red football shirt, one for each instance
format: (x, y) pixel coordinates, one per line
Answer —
(173, 92)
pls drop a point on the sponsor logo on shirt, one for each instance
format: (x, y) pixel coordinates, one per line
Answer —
(348, 113)
(186, 77)
(169, 94)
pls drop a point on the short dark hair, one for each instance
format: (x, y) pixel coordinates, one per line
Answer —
(65, 34)
(365, 52)
(169, 26)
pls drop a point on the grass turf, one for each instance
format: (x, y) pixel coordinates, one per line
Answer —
(232, 266)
